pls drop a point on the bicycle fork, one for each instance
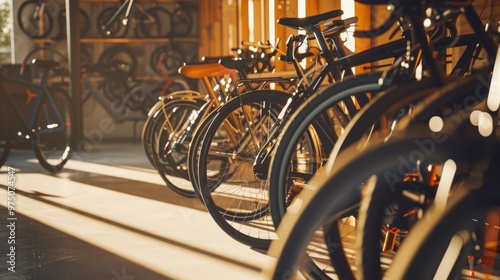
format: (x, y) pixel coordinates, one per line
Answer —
(263, 158)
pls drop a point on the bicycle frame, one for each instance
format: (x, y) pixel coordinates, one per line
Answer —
(393, 49)
(94, 93)
(41, 90)
(126, 5)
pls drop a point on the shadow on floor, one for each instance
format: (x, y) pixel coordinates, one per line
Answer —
(42, 252)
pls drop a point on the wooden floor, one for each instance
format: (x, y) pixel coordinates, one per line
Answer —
(108, 215)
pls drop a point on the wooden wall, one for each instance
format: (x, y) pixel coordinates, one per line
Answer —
(225, 23)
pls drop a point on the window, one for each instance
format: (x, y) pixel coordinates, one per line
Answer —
(5, 32)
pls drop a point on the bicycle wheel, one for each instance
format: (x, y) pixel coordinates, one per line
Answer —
(5, 135)
(441, 243)
(156, 23)
(152, 95)
(115, 88)
(137, 97)
(4, 150)
(237, 199)
(147, 129)
(84, 22)
(116, 30)
(325, 113)
(170, 141)
(34, 20)
(395, 208)
(332, 198)
(154, 110)
(120, 59)
(54, 131)
(195, 147)
(182, 21)
(166, 60)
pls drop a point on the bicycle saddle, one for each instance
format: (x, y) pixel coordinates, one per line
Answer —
(237, 64)
(45, 64)
(198, 71)
(307, 22)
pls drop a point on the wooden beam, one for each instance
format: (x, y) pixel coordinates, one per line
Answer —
(73, 45)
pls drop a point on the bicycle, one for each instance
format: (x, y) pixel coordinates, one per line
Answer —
(239, 212)
(49, 51)
(35, 18)
(171, 145)
(175, 119)
(346, 183)
(182, 19)
(48, 125)
(149, 22)
(455, 226)
(287, 179)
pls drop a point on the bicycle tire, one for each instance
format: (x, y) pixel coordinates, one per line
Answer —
(194, 150)
(182, 21)
(5, 134)
(169, 162)
(120, 59)
(4, 150)
(116, 30)
(54, 148)
(153, 94)
(305, 116)
(84, 23)
(339, 192)
(147, 129)
(148, 124)
(377, 200)
(166, 59)
(138, 96)
(29, 25)
(115, 88)
(434, 233)
(162, 25)
(249, 213)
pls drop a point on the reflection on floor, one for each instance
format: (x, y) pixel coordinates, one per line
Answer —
(108, 215)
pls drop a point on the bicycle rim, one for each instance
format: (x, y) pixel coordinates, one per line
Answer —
(33, 22)
(170, 143)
